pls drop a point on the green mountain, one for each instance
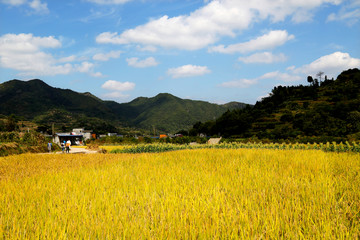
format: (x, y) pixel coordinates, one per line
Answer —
(36, 101)
(322, 111)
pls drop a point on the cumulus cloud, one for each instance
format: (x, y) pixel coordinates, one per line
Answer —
(118, 86)
(267, 41)
(208, 24)
(332, 64)
(37, 6)
(107, 56)
(264, 57)
(26, 54)
(108, 2)
(188, 71)
(148, 62)
(88, 68)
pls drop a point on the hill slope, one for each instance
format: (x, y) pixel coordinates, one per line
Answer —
(36, 101)
(326, 110)
(165, 110)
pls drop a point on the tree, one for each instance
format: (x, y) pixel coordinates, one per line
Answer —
(310, 79)
(319, 74)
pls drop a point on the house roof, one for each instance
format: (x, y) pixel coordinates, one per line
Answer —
(68, 135)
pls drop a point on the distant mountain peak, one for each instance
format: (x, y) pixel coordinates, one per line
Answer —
(91, 95)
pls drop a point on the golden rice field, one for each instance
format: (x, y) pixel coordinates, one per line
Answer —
(188, 194)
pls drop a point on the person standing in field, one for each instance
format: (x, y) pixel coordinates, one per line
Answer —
(68, 144)
(62, 144)
(49, 145)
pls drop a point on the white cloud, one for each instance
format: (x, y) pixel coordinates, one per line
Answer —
(117, 89)
(36, 5)
(39, 7)
(284, 77)
(245, 83)
(146, 48)
(215, 19)
(85, 67)
(98, 14)
(188, 71)
(242, 83)
(118, 86)
(332, 64)
(267, 41)
(71, 58)
(14, 2)
(26, 53)
(265, 57)
(148, 62)
(106, 56)
(109, 1)
(96, 74)
(349, 13)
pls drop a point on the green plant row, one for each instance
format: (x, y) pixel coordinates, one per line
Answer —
(327, 147)
(165, 147)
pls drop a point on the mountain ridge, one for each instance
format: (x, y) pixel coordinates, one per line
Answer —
(37, 101)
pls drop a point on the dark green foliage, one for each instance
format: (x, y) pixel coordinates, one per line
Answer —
(326, 111)
(10, 124)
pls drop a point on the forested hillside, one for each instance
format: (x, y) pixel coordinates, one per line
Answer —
(45, 105)
(322, 111)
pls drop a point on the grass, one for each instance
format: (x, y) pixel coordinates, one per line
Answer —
(203, 193)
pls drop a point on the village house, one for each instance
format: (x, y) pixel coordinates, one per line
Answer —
(87, 134)
(77, 137)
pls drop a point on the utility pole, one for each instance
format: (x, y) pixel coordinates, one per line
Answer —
(319, 74)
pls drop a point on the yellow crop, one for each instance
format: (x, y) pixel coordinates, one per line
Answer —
(188, 194)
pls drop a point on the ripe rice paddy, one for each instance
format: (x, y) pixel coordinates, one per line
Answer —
(200, 193)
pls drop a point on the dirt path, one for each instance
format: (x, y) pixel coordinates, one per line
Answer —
(80, 150)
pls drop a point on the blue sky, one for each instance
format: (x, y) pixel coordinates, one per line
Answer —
(216, 51)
